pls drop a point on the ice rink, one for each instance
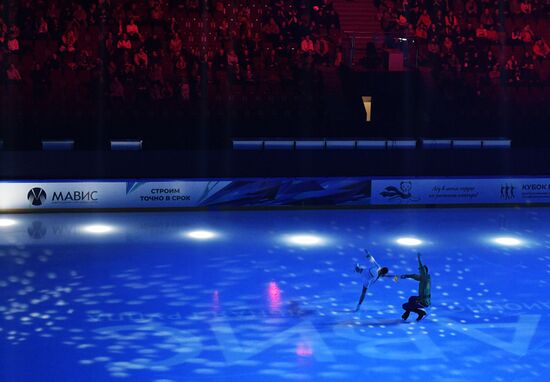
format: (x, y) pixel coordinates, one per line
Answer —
(270, 296)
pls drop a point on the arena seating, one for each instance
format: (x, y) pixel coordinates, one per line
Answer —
(178, 76)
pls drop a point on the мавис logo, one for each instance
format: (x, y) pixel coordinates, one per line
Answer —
(36, 196)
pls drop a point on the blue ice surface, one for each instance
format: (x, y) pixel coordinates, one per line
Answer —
(145, 302)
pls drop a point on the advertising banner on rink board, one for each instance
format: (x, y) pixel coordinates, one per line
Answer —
(460, 191)
(60, 195)
(269, 192)
(184, 193)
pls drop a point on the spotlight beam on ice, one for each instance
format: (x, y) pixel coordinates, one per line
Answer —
(201, 235)
(7, 222)
(305, 240)
(507, 241)
(98, 229)
(409, 241)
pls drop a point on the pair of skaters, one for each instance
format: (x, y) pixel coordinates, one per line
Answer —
(372, 272)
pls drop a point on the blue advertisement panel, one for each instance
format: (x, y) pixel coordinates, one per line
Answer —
(273, 192)
(184, 193)
(460, 191)
(159, 194)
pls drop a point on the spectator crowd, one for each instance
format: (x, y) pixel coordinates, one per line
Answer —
(129, 50)
(491, 41)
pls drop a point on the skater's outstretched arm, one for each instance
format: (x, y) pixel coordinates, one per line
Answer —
(419, 260)
(361, 298)
(371, 258)
(414, 277)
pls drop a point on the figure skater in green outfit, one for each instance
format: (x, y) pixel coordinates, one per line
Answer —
(417, 304)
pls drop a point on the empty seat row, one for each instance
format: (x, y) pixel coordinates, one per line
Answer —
(115, 145)
(69, 144)
(310, 144)
(322, 144)
(498, 143)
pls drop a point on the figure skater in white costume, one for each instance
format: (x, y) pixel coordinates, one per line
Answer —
(370, 273)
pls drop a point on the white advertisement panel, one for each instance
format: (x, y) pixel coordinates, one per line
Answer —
(460, 191)
(62, 195)
(99, 195)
